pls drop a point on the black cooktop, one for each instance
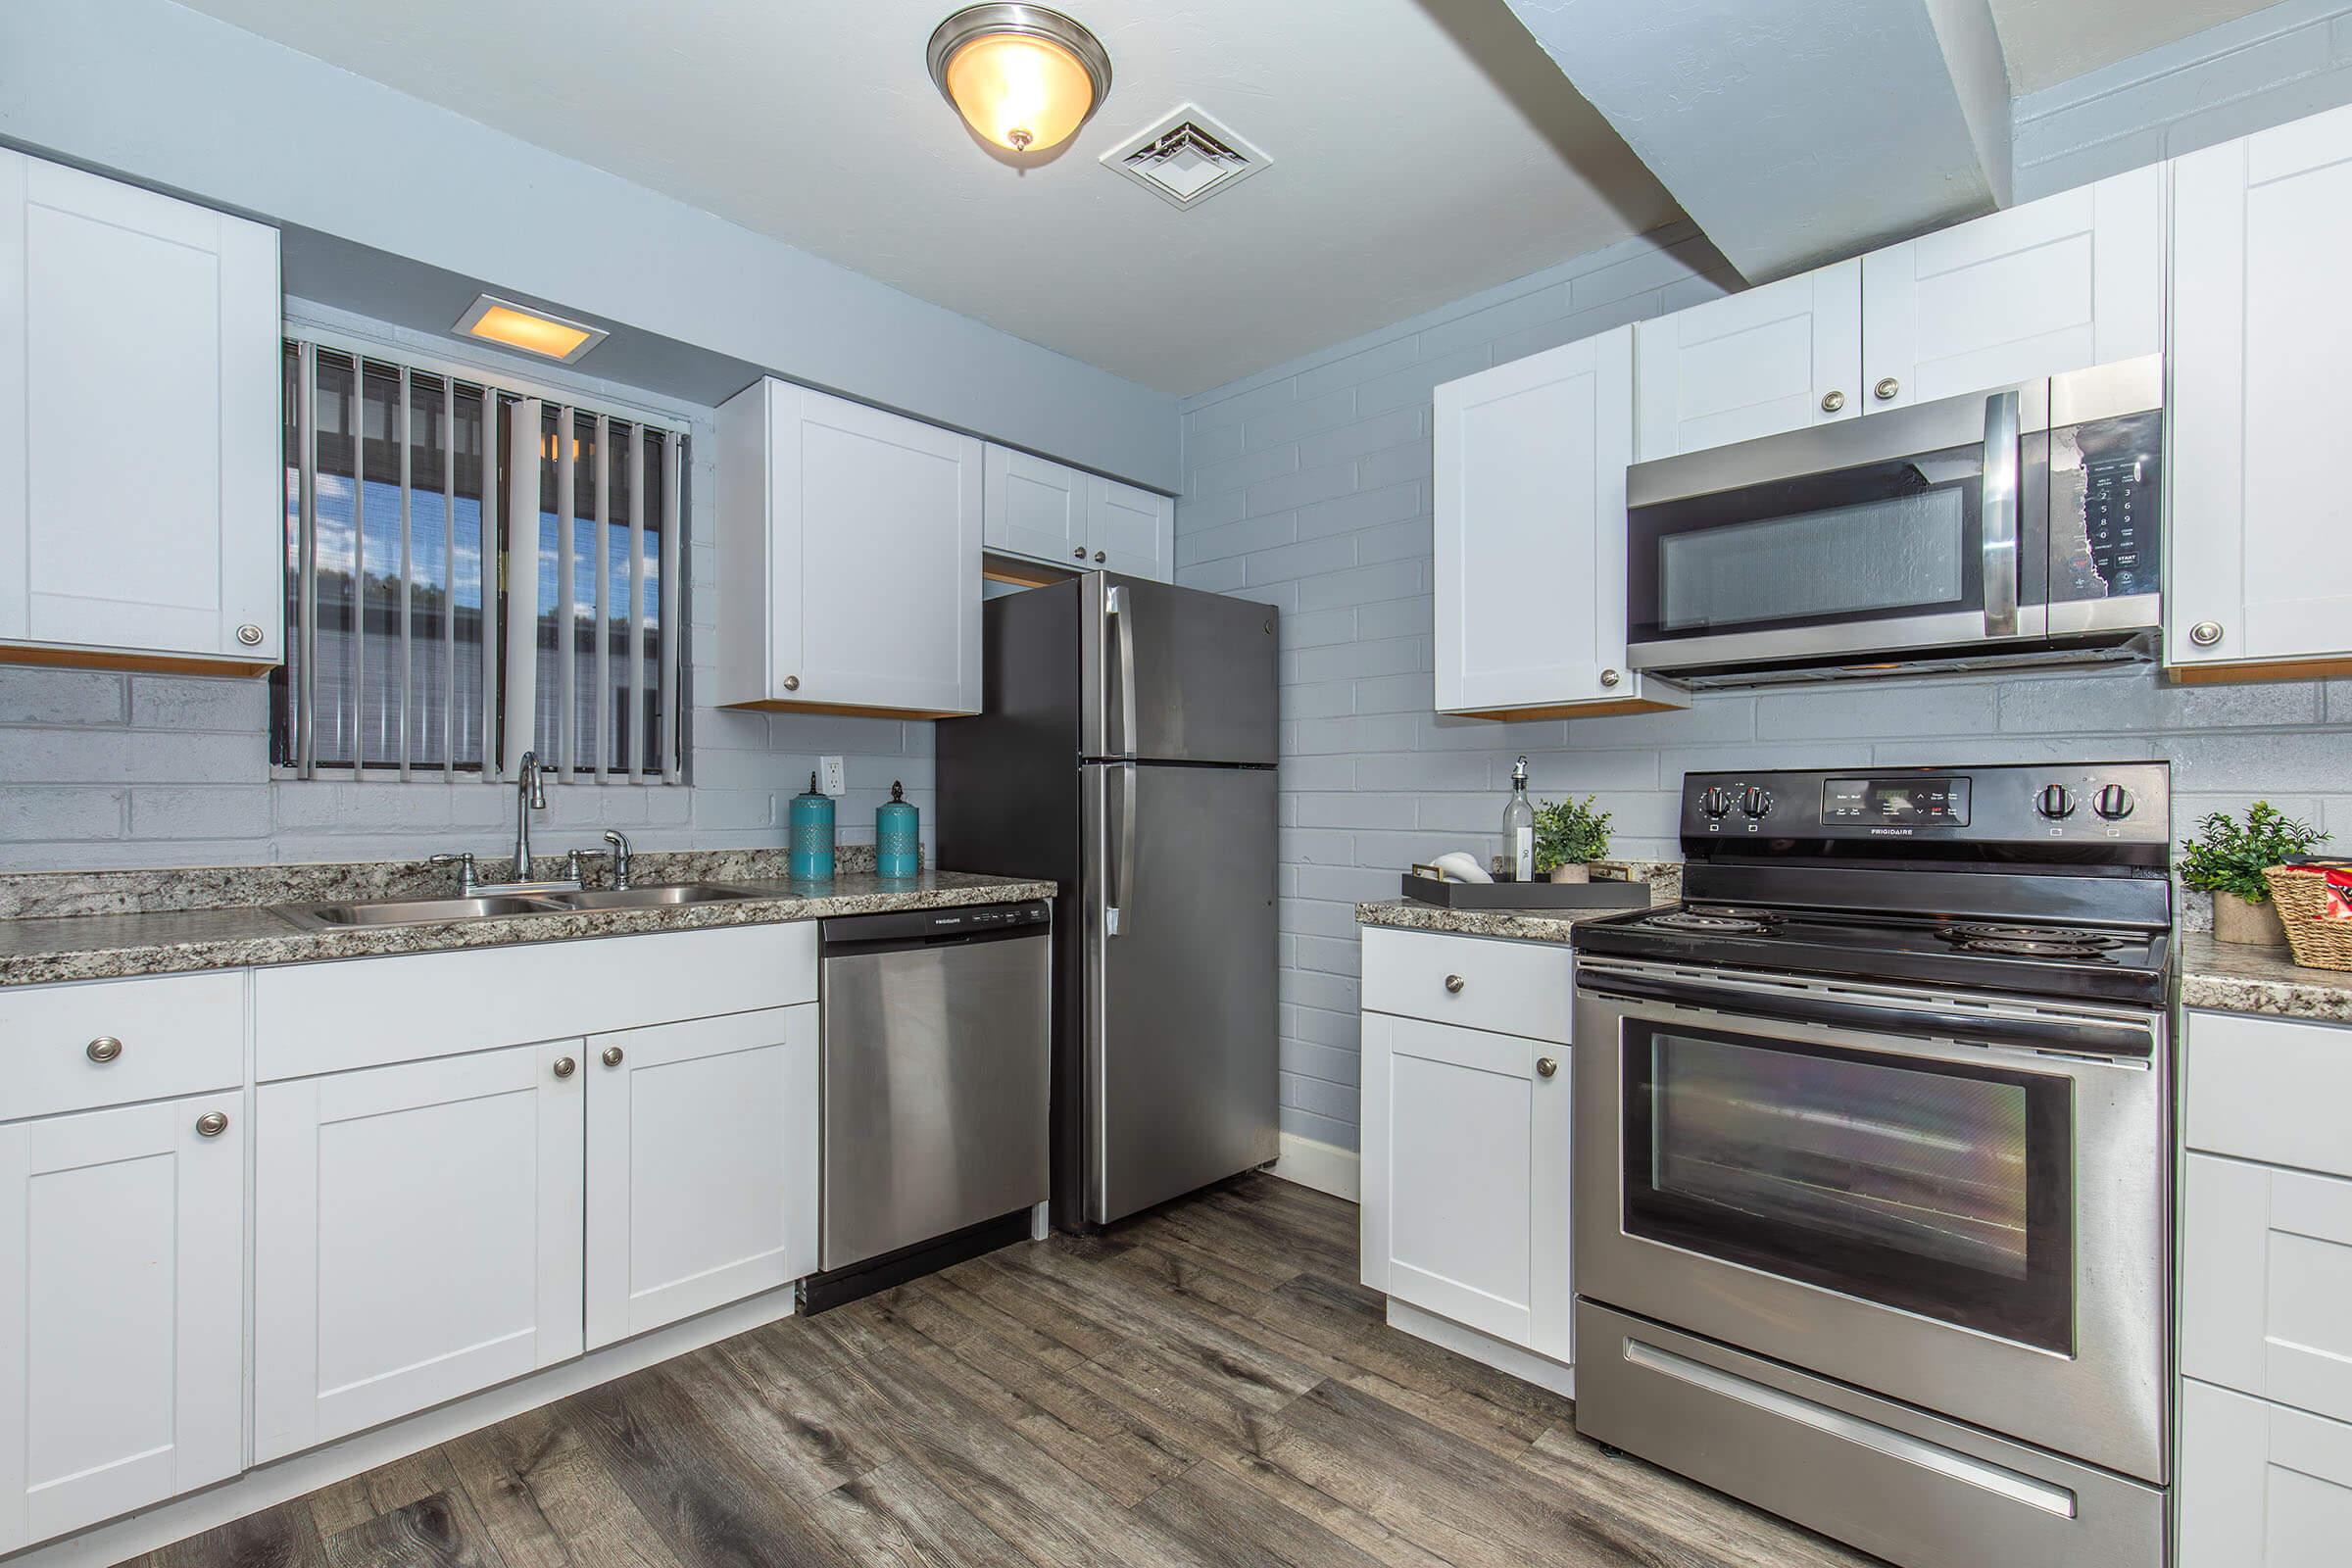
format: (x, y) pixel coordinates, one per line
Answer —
(2028, 957)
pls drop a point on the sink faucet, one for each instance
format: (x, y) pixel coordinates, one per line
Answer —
(620, 858)
(530, 795)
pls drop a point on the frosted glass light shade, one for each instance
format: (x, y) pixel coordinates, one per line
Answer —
(1021, 76)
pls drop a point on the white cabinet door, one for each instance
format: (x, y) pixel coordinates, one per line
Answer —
(2258, 515)
(2072, 280)
(849, 555)
(122, 1319)
(701, 1167)
(1530, 533)
(2266, 1283)
(417, 1237)
(1465, 1177)
(1035, 508)
(1129, 530)
(2261, 1485)
(1777, 357)
(140, 423)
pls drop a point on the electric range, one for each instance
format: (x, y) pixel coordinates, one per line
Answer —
(1872, 1152)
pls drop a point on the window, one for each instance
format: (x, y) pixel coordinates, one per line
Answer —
(433, 634)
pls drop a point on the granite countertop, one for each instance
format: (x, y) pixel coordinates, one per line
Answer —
(42, 950)
(2233, 977)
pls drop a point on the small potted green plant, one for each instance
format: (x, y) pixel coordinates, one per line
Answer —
(1569, 836)
(2227, 858)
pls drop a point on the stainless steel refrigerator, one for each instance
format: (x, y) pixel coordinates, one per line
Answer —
(1126, 749)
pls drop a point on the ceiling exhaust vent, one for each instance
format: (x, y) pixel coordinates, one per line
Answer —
(1186, 158)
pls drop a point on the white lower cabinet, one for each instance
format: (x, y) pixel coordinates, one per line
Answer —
(2262, 1486)
(701, 1167)
(417, 1237)
(1465, 1177)
(121, 1374)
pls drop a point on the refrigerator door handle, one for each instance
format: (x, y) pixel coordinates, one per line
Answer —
(1117, 607)
(1120, 891)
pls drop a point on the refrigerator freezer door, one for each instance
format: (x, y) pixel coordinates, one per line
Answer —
(1174, 674)
(1180, 1003)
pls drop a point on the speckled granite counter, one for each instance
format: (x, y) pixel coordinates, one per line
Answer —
(2231, 977)
(1664, 879)
(37, 950)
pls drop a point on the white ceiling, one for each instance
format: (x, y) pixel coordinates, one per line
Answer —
(1420, 150)
(2048, 42)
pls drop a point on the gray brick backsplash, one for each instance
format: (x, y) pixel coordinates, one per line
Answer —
(1371, 779)
(60, 696)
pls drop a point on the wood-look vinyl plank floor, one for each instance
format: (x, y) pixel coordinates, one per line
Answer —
(1206, 1386)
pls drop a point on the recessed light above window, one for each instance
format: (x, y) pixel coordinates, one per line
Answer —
(533, 331)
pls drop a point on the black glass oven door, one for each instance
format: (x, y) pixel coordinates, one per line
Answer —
(1939, 1188)
(1889, 541)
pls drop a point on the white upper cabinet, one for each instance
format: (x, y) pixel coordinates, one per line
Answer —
(2260, 569)
(849, 547)
(1777, 358)
(122, 1368)
(702, 1165)
(1129, 530)
(1033, 507)
(1048, 512)
(1530, 534)
(2060, 284)
(144, 508)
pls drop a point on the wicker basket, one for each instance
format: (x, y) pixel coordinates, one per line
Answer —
(2301, 894)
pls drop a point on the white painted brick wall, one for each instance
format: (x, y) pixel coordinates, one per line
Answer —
(1371, 780)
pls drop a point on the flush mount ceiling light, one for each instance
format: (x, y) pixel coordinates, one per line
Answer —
(1022, 76)
(534, 332)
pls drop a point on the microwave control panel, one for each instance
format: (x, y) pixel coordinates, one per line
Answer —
(2105, 481)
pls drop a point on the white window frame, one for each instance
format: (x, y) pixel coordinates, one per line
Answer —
(511, 668)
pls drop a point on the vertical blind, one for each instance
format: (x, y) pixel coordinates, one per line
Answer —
(472, 573)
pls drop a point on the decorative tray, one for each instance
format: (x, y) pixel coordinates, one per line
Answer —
(1527, 895)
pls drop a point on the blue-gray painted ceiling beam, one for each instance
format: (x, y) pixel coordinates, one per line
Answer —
(1797, 132)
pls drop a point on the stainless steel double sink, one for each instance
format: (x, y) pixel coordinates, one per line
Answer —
(490, 906)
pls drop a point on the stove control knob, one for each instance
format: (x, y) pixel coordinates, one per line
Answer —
(1716, 803)
(1756, 804)
(2055, 802)
(2113, 803)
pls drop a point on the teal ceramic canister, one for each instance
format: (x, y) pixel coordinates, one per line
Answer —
(812, 837)
(897, 835)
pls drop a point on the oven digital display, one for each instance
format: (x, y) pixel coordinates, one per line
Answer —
(1906, 803)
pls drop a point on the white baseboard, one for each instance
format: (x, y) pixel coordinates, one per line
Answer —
(1524, 1364)
(1326, 1168)
(281, 1480)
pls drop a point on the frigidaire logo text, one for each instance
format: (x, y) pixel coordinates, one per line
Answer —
(1892, 832)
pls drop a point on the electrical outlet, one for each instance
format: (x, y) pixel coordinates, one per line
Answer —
(835, 782)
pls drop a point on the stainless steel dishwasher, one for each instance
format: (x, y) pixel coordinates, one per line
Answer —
(936, 1037)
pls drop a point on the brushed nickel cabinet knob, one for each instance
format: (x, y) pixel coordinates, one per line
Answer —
(611, 1056)
(1545, 1066)
(1831, 401)
(1100, 558)
(103, 1050)
(792, 683)
(1609, 677)
(1078, 554)
(211, 1124)
(565, 1066)
(250, 635)
(1886, 389)
(2205, 633)
(1453, 983)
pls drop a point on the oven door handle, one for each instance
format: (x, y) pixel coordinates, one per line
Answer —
(2086, 1035)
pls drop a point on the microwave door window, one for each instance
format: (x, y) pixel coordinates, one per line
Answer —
(1903, 554)
(1927, 1188)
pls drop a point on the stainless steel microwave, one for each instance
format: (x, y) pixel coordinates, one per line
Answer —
(2022, 522)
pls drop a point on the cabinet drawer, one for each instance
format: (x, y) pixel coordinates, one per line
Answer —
(1513, 988)
(2271, 1090)
(2266, 1283)
(366, 1012)
(173, 1035)
(2261, 1485)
